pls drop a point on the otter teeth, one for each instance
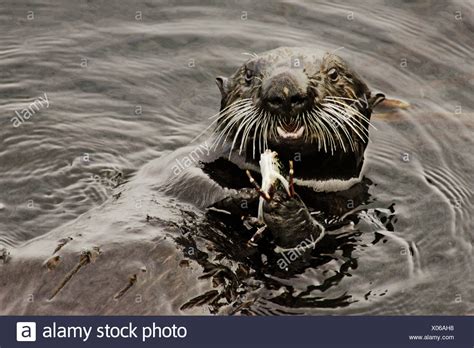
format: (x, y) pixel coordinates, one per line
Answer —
(290, 135)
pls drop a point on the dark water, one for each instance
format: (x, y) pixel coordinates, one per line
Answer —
(123, 92)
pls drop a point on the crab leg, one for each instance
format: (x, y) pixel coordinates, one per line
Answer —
(257, 236)
(263, 194)
(291, 180)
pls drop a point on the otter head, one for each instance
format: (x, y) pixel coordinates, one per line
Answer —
(313, 110)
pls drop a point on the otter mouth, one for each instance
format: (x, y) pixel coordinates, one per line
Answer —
(294, 134)
(336, 124)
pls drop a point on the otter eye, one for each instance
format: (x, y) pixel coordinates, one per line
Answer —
(333, 75)
(248, 76)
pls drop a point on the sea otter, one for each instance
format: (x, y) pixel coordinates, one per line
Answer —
(312, 110)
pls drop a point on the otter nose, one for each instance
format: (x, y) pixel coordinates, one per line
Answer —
(283, 94)
(281, 100)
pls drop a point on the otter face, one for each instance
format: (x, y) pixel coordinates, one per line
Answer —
(290, 99)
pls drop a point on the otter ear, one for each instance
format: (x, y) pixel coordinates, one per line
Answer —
(376, 99)
(384, 103)
(223, 84)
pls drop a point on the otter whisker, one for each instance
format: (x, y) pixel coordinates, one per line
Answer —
(255, 133)
(235, 125)
(245, 132)
(347, 116)
(345, 124)
(306, 127)
(350, 121)
(265, 116)
(314, 125)
(239, 109)
(232, 105)
(227, 128)
(248, 128)
(251, 54)
(268, 129)
(341, 98)
(341, 122)
(328, 132)
(237, 116)
(355, 110)
(337, 49)
(248, 118)
(273, 126)
(323, 130)
(220, 115)
(251, 127)
(265, 132)
(232, 112)
(262, 124)
(327, 117)
(348, 109)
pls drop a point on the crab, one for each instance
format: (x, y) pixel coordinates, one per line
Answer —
(281, 211)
